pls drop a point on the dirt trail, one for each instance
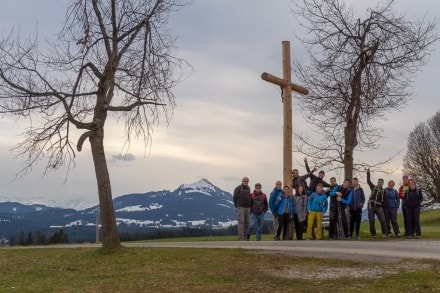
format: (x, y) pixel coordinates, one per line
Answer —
(368, 251)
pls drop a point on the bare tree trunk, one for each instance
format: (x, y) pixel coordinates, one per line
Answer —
(350, 144)
(359, 69)
(110, 233)
(348, 163)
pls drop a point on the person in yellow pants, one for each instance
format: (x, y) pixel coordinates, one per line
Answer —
(316, 207)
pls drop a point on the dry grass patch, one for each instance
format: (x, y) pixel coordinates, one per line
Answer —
(356, 271)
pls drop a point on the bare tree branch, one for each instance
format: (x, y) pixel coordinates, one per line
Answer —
(422, 159)
(359, 70)
(111, 57)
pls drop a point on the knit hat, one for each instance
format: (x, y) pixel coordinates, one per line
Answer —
(380, 180)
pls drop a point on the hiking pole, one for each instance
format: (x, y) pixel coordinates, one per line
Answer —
(340, 231)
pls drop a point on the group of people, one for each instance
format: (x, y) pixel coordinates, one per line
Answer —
(303, 208)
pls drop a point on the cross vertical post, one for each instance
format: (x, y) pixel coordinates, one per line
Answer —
(287, 110)
(287, 87)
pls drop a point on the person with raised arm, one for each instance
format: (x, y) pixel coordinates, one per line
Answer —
(315, 180)
(375, 203)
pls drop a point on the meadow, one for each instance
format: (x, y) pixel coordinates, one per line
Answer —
(211, 270)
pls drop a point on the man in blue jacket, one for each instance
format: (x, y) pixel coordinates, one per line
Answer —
(276, 192)
(340, 198)
(284, 210)
(356, 206)
(390, 207)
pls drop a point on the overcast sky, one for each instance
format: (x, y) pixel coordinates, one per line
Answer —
(228, 122)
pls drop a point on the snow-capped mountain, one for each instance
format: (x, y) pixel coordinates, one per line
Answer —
(78, 203)
(200, 204)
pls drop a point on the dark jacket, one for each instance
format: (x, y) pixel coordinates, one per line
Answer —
(242, 196)
(413, 198)
(358, 199)
(273, 198)
(392, 199)
(377, 196)
(259, 204)
(301, 181)
(315, 180)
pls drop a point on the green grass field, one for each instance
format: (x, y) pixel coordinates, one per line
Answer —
(429, 220)
(202, 270)
(209, 270)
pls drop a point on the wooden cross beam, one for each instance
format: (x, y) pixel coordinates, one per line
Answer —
(286, 84)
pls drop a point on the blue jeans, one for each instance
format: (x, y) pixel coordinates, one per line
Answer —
(257, 220)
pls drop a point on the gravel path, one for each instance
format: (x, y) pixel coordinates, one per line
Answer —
(367, 251)
(380, 251)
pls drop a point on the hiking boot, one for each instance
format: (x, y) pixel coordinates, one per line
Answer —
(358, 237)
(398, 235)
(410, 237)
(374, 236)
(389, 235)
(418, 236)
(348, 238)
(277, 238)
(384, 236)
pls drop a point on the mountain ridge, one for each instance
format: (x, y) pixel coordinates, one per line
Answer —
(199, 204)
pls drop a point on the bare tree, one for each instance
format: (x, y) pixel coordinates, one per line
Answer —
(422, 159)
(111, 59)
(360, 69)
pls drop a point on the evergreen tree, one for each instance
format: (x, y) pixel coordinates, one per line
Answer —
(55, 238)
(40, 238)
(63, 237)
(21, 240)
(30, 239)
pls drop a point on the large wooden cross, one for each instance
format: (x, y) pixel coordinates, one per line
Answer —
(287, 86)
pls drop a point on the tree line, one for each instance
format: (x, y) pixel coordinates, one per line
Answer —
(187, 232)
(39, 237)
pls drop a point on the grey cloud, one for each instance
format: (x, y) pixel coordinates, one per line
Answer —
(125, 157)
